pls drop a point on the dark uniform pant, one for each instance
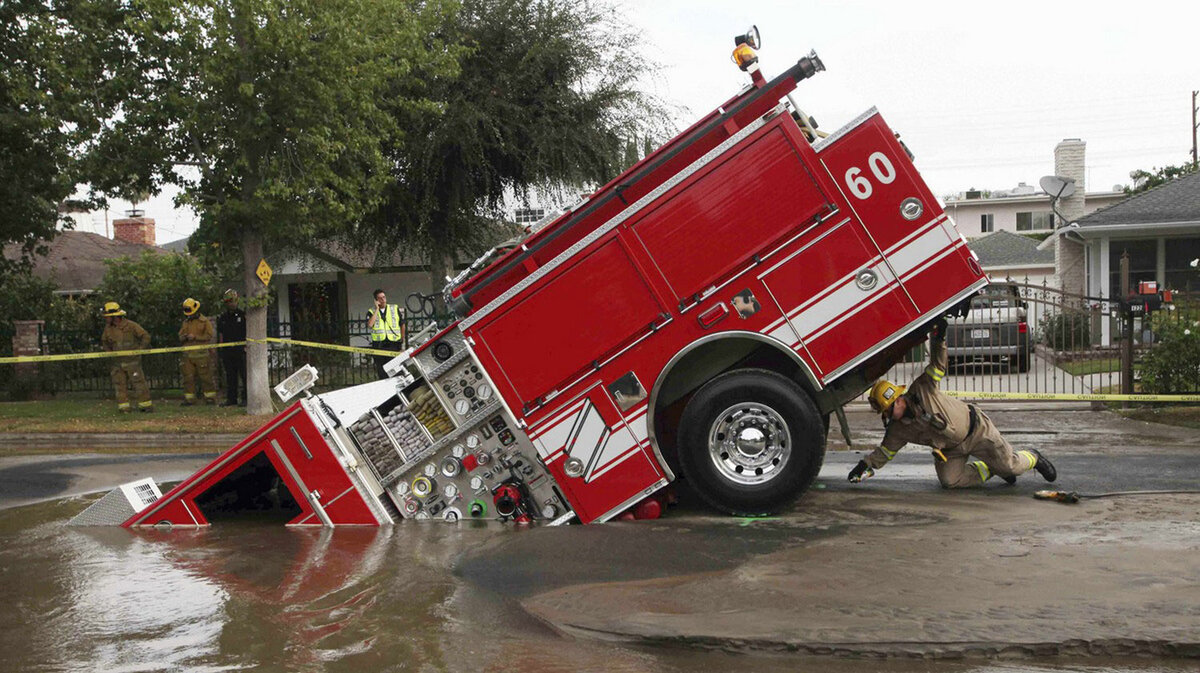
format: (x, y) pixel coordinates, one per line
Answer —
(381, 360)
(126, 375)
(198, 370)
(233, 362)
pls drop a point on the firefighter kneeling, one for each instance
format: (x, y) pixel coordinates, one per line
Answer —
(197, 364)
(955, 430)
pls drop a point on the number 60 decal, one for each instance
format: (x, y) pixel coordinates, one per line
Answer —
(880, 165)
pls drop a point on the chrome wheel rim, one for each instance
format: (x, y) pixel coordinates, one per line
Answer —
(749, 443)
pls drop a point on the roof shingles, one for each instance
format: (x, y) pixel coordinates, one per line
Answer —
(1175, 201)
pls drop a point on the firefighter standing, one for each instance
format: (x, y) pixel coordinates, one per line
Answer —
(196, 331)
(956, 431)
(122, 334)
(386, 323)
(231, 327)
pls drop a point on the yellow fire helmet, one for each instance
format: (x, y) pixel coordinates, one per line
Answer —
(190, 306)
(112, 309)
(883, 395)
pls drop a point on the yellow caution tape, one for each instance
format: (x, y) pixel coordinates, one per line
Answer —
(1081, 397)
(21, 359)
(332, 347)
(115, 354)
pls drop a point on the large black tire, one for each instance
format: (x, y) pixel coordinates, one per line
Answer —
(739, 477)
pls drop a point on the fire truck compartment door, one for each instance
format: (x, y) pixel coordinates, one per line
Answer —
(592, 308)
(838, 295)
(748, 198)
(614, 461)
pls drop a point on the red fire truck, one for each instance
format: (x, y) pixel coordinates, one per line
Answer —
(702, 315)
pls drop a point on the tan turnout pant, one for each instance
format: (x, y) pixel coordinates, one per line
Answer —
(126, 375)
(198, 370)
(984, 454)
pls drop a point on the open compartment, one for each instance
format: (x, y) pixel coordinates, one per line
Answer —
(376, 443)
(427, 408)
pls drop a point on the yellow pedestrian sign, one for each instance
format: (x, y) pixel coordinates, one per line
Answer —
(264, 272)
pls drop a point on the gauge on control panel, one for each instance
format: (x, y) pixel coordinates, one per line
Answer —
(458, 451)
(484, 392)
(452, 514)
(450, 491)
(431, 470)
(422, 487)
(462, 407)
(402, 488)
(472, 441)
(451, 467)
(477, 483)
(422, 516)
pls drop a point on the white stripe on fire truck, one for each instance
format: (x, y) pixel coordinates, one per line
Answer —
(842, 299)
(919, 231)
(558, 417)
(824, 312)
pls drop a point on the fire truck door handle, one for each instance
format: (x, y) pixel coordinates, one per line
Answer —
(713, 315)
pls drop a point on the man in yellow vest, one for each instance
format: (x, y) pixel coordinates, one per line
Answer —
(386, 323)
(121, 334)
(197, 364)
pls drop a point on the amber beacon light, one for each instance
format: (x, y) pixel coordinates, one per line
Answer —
(744, 50)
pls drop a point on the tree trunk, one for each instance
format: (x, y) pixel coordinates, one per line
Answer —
(258, 384)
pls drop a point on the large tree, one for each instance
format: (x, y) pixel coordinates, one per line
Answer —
(272, 117)
(549, 96)
(55, 89)
(1144, 180)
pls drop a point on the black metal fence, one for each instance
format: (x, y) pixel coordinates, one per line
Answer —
(337, 369)
(1026, 338)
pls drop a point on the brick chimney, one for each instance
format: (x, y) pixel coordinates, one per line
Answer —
(134, 230)
(1068, 254)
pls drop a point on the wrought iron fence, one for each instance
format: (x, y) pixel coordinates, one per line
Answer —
(1026, 338)
(337, 369)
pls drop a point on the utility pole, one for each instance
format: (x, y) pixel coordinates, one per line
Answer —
(1194, 162)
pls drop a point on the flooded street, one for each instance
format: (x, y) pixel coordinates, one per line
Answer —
(408, 598)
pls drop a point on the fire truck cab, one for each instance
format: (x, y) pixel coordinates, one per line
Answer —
(702, 315)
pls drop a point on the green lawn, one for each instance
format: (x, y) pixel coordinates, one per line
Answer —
(91, 415)
(1183, 416)
(1095, 366)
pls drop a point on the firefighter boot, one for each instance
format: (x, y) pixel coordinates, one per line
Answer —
(1009, 479)
(1044, 466)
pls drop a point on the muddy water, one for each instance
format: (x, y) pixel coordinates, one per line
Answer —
(408, 598)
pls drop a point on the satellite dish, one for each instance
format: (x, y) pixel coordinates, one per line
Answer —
(1057, 187)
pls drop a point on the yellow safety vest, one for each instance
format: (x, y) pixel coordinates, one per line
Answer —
(387, 326)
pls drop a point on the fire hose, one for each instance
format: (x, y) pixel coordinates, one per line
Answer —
(1072, 497)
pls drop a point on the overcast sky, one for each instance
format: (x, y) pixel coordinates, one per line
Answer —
(980, 92)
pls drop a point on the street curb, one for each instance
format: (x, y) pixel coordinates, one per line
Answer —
(1103, 647)
(117, 439)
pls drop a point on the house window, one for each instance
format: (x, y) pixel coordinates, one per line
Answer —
(1143, 262)
(1035, 221)
(529, 215)
(1179, 272)
(987, 223)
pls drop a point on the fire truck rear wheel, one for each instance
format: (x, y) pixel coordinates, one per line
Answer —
(750, 442)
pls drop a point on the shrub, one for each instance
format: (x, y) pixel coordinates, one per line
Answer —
(1173, 364)
(1067, 331)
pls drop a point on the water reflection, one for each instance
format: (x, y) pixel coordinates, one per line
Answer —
(408, 598)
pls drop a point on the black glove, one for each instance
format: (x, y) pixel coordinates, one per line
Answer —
(860, 472)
